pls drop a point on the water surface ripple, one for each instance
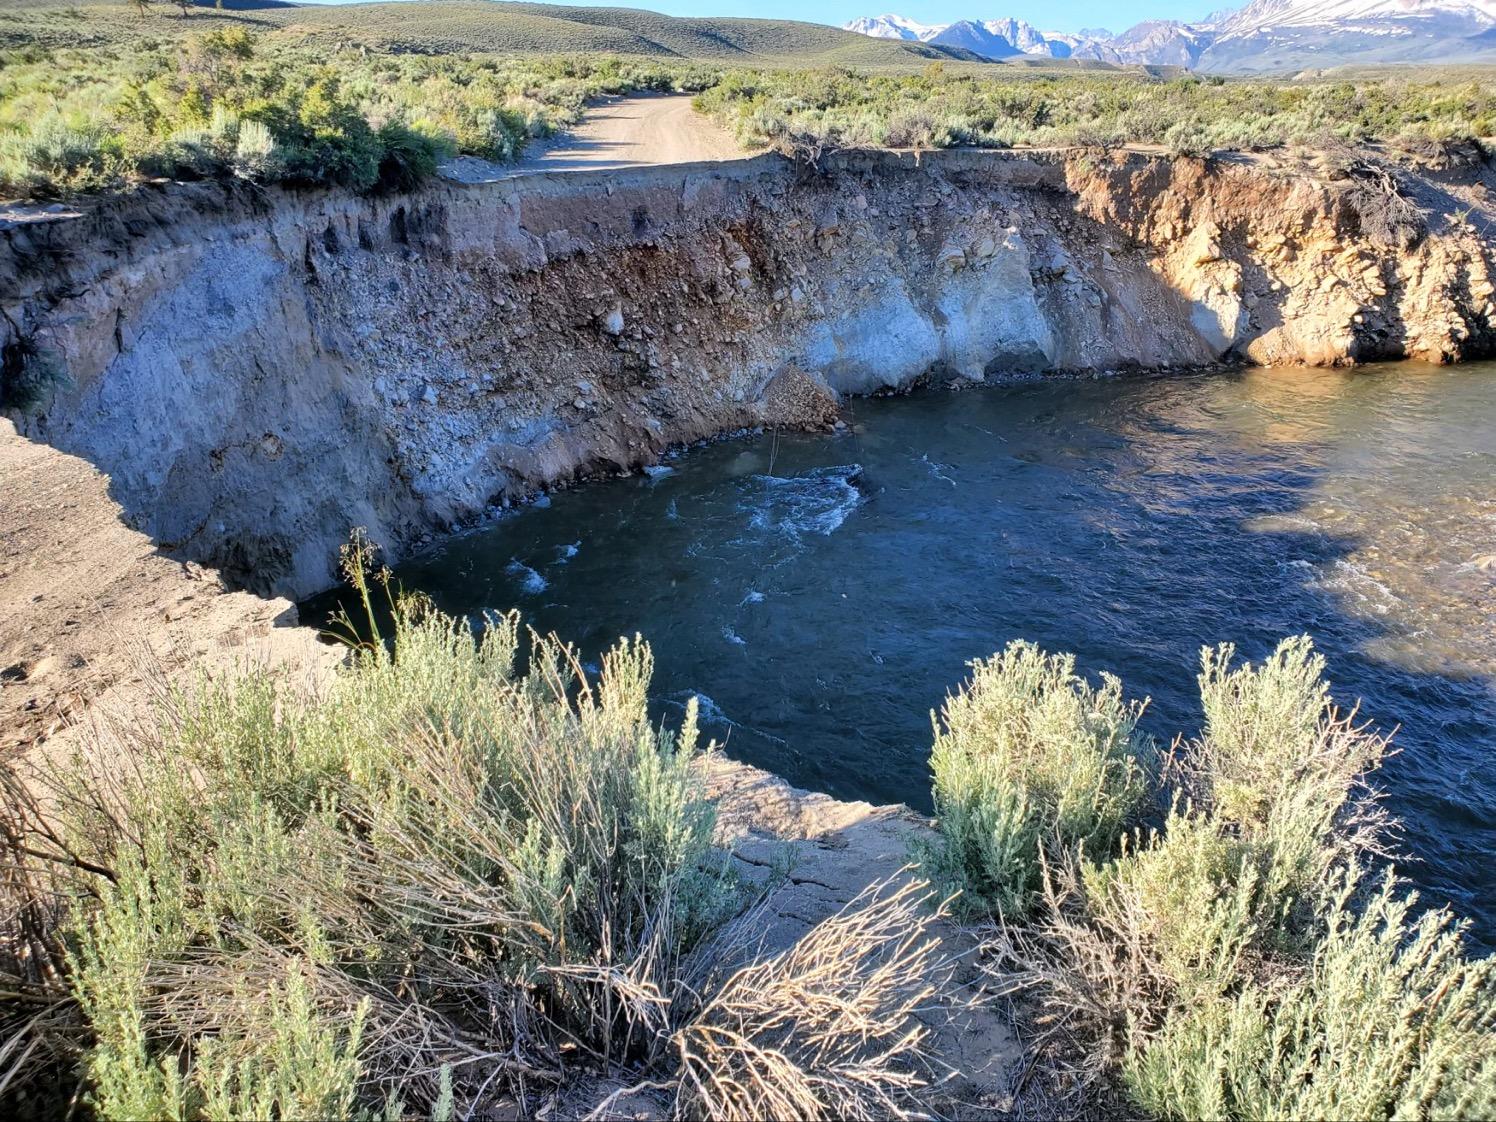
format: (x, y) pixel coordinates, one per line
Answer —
(822, 594)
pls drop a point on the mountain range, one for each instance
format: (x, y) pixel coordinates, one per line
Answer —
(1263, 36)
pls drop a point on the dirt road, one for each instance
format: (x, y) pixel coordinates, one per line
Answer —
(623, 132)
(655, 129)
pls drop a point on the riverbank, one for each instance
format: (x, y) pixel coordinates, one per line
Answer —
(219, 382)
(257, 371)
(242, 375)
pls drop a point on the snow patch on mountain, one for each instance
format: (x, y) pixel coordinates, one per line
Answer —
(895, 27)
(1263, 35)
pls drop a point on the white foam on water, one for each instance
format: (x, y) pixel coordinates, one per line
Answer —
(733, 637)
(1349, 581)
(816, 502)
(709, 712)
(657, 472)
(1283, 524)
(753, 596)
(566, 552)
(531, 582)
(937, 470)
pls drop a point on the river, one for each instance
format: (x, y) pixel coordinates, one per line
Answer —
(822, 593)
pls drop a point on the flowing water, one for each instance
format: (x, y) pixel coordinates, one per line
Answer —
(821, 594)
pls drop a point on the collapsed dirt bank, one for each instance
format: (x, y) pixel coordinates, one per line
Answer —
(258, 371)
(243, 375)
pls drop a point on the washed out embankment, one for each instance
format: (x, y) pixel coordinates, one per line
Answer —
(258, 371)
(255, 372)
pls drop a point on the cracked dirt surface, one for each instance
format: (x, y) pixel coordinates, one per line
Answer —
(824, 853)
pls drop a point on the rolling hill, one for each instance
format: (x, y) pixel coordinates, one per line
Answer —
(489, 26)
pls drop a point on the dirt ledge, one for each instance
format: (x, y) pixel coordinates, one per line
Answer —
(88, 606)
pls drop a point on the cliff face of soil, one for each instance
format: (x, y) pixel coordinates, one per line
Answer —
(257, 372)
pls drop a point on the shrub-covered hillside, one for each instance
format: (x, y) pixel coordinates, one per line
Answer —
(448, 26)
(944, 108)
(373, 95)
(270, 108)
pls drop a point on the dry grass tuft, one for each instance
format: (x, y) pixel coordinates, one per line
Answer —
(39, 1022)
(825, 1029)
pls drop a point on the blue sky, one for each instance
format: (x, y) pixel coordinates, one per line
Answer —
(1048, 15)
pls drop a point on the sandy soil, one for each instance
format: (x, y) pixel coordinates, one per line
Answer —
(618, 133)
(89, 607)
(659, 129)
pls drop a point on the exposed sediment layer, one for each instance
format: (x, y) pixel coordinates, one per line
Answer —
(248, 374)
(259, 371)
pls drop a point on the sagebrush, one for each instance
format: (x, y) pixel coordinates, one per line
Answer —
(279, 109)
(462, 872)
(1027, 753)
(1241, 961)
(943, 107)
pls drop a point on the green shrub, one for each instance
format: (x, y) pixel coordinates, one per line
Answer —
(50, 151)
(1235, 964)
(459, 872)
(949, 109)
(1279, 768)
(1389, 1020)
(1190, 896)
(410, 156)
(316, 900)
(1026, 751)
(283, 108)
(255, 154)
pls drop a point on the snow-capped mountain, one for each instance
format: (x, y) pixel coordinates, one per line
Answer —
(973, 36)
(1263, 35)
(1024, 36)
(993, 38)
(1288, 34)
(894, 27)
(1162, 42)
(1279, 15)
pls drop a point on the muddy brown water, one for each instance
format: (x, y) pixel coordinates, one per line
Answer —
(821, 594)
